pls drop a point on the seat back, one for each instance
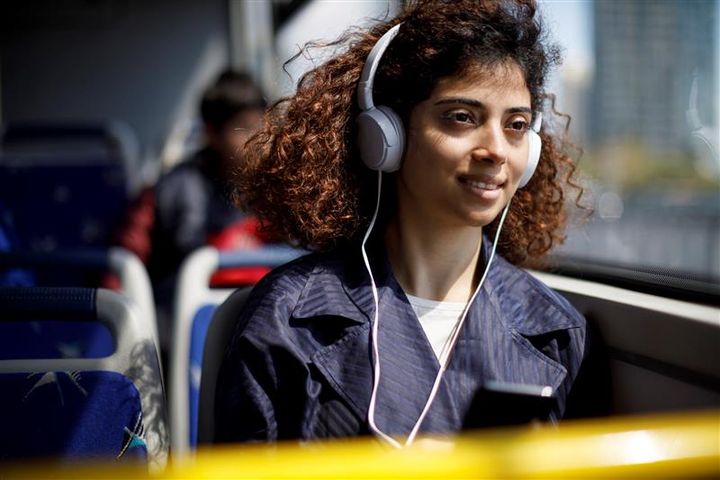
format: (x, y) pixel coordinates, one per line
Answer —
(216, 342)
(78, 407)
(133, 277)
(195, 305)
(65, 185)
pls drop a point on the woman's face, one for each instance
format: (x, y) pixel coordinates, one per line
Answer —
(467, 148)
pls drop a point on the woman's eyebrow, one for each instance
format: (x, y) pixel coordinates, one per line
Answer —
(477, 103)
(519, 110)
(464, 100)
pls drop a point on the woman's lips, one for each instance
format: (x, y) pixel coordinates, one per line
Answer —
(488, 188)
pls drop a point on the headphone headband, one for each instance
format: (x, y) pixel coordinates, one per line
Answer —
(367, 78)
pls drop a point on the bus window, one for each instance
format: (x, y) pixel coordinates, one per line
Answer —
(640, 82)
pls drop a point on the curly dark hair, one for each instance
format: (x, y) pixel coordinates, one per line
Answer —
(303, 176)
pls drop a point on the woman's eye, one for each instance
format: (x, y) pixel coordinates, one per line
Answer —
(459, 117)
(518, 126)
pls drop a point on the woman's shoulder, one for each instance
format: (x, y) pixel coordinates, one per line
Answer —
(285, 290)
(530, 298)
(293, 277)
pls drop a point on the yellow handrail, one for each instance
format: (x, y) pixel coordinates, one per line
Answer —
(681, 445)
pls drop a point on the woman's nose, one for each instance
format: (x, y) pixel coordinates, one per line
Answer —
(491, 144)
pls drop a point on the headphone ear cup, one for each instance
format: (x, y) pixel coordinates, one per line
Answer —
(534, 148)
(381, 138)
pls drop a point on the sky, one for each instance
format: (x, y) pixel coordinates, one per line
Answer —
(570, 24)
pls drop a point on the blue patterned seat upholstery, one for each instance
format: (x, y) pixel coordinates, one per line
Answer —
(64, 205)
(73, 408)
(54, 339)
(63, 185)
(217, 337)
(200, 324)
(70, 414)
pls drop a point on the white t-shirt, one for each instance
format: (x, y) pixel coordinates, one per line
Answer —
(437, 319)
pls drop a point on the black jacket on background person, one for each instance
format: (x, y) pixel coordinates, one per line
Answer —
(192, 201)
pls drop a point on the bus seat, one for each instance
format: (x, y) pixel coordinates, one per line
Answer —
(73, 408)
(64, 185)
(195, 304)
(131, 273)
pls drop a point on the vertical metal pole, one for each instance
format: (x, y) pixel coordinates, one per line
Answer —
(251, 41)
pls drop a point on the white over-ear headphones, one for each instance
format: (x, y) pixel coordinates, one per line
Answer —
(381, 135)
(534, 148)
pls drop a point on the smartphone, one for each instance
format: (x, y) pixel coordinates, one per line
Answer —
(498, 404)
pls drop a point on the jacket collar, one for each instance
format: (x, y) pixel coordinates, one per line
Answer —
(328, 281)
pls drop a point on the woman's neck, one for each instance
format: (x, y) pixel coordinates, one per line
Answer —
(437, 263)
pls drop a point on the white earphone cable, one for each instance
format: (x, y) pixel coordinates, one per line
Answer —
(447, 351)
(374, 333)
(445, 354)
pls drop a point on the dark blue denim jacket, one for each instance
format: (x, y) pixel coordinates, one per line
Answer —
(299, 363)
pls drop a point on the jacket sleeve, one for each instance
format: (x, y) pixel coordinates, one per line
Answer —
(182, 206)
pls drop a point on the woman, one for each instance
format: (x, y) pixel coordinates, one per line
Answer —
(330, 345)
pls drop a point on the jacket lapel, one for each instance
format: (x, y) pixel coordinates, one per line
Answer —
(407, 363)
(493, 345)
(489, 350)
(344, 362)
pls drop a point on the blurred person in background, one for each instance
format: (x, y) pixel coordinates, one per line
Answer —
(191, 205)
